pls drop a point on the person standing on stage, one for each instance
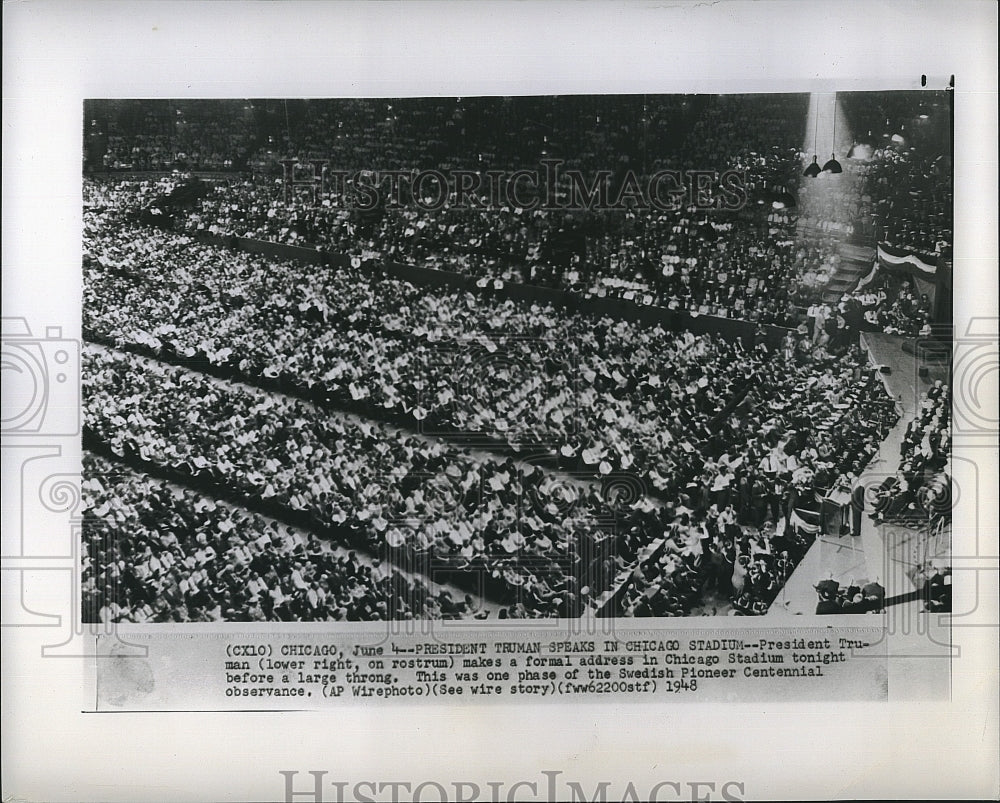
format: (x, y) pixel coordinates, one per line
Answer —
(857, 504)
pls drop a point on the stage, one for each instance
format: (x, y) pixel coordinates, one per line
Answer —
(888, 554)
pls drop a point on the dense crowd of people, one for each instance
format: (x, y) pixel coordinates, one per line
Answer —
(607, 395)
(913, 200)
(897, 197)
(745, 263)
(750, 268)
(202, 318)
(393, 493)
(705, 261)
(156, 135)
(891, 305)
(283, 407)
(189, 557)
(898, 187)
(919, 487)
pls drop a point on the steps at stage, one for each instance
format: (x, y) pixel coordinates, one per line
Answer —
(861, 254)
(855, 263)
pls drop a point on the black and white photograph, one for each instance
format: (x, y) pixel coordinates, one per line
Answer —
(516, 357)
(574, 400)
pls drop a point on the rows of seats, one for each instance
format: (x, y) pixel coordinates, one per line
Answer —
(551, 459)
(165, 135)
(711, 262)
(201, 309)
(387, 491)
(189, 557)
(610, 395)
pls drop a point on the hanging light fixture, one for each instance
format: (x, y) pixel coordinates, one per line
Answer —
(781, 198)
(833, 166)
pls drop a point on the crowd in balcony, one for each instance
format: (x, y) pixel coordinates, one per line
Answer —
(474, 432)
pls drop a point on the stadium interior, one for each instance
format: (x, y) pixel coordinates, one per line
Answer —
(517, 357)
